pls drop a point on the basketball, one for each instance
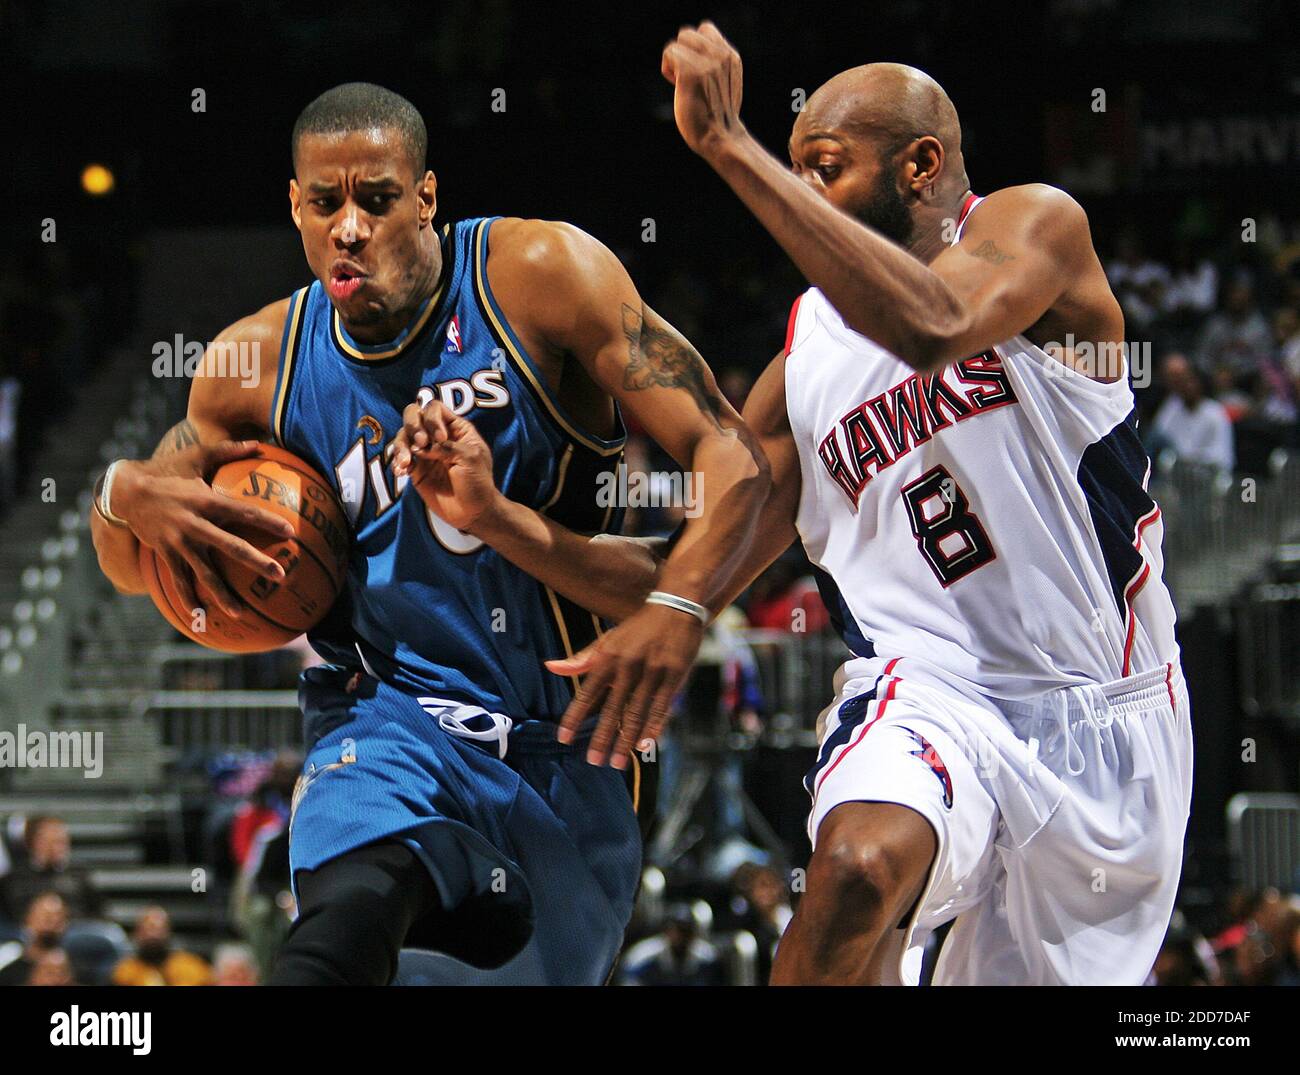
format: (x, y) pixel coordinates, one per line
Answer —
(314, 559)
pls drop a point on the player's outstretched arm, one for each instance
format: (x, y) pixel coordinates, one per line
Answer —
(576, 296)
(450, 467)
(1016, 258)
(165, 502)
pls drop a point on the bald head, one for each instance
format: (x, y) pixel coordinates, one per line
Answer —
(890, 102)
(891, 131)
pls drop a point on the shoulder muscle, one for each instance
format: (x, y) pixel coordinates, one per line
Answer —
(230, 394)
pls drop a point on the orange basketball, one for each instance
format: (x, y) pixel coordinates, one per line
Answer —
(314, 559)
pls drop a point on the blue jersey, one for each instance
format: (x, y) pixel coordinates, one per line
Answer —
(427, 608)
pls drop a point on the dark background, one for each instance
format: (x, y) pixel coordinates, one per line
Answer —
(587, 135)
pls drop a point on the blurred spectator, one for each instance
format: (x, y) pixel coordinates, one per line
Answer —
(262, 903)
(47, 867)
(735, 384)
(44, 924)
(233, 965)
(785, 597)
(1286, 334)
(1193, 286)
(156, 961)
(1196, 428)
(1263, 952)
(1186, 958)
(1139, 283)
(677, 956)
(760, 903)
(11, 390)
(1238, 336)
(52, 968)
(267, 806)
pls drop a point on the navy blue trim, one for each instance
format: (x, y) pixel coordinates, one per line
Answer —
(1111, 472)
(853, 711)
(841, 618)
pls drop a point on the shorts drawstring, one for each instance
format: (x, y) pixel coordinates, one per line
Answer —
(456, 719)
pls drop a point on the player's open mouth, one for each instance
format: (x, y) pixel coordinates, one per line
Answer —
(345, 280)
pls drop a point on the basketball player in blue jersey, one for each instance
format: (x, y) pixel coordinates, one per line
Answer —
(438, 808)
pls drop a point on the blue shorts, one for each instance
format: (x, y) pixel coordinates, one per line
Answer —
(536, 855)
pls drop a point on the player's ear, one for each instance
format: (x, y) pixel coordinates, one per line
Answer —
(924, 162)
(427, 192)
(295, 203)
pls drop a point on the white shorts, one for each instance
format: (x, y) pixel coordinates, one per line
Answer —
(1059, 821)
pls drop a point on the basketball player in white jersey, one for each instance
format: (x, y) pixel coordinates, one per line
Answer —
(950, 433)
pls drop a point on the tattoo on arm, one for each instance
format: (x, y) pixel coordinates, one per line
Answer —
(181, 436)
(988, 251)
(659, 358)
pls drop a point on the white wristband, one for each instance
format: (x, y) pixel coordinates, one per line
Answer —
(681, 604)
(105, 501)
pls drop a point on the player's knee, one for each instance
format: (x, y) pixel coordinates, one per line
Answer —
(872, 867)
(856, 872)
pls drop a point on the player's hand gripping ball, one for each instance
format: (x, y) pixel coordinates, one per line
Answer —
(314, 559)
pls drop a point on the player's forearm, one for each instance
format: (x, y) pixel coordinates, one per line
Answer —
(734, 480)
(879, 289)
(603, 573)
(118, 552)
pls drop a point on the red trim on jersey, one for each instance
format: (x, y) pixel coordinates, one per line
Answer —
(789, 328)
(1169, 686)
(1134, 586)
(1143, 523)
(880, 712)
(966, 207)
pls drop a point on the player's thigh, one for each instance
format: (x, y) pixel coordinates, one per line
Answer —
(905, 792)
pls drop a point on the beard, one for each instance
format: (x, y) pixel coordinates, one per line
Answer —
(153, 952)
(886, 212)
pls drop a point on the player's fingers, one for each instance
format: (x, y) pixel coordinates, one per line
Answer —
(588, 695)
(691, 38)
(710, 32)
(635, 716)
(577, 665)
(417, 436)
(215, 455)
(434, 421)
(215, 584)
(181, 579)
(238, 550)
(666, 67)
(402, 443)
(222, 508)
(611, 714)
(677, 59)
(661, 708)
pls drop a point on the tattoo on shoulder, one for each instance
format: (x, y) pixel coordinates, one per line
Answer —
(988, 251)
(181, 436)
(660, 358)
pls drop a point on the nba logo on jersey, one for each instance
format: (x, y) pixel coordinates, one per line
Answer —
(453, 335)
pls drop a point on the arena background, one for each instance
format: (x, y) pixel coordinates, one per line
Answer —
(1175, 122)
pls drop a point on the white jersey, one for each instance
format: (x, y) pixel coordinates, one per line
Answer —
(991, 519)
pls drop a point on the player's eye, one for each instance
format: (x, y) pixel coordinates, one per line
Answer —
(828, 171)
(377, 203)
(325, 205)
